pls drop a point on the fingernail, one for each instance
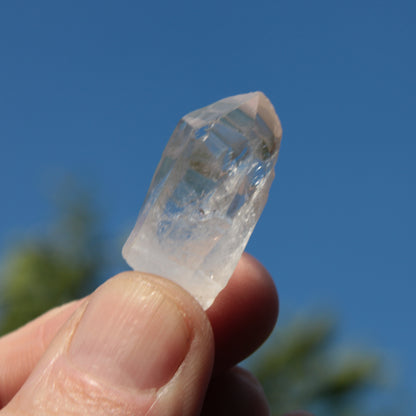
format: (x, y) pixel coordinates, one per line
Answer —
(131, 335)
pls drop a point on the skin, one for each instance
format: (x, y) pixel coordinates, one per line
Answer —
(141, 345)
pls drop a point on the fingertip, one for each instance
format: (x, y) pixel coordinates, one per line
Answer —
(267, 291)
(245, 312)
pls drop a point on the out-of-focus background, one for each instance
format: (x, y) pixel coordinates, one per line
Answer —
(89, 95)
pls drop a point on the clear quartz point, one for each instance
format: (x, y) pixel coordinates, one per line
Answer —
(207, 195)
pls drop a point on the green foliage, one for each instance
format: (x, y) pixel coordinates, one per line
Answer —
(301, 369)
(46, 271)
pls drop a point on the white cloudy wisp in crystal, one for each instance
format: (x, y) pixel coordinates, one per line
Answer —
(207, 195)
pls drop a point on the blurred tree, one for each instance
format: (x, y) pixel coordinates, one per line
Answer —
(301, 369)
(46, 271)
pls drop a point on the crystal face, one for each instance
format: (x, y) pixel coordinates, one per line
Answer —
(207, 195)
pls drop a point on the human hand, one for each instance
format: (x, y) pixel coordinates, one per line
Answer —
(141, 345)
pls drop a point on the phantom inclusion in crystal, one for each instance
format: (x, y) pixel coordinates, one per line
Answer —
(207, 195)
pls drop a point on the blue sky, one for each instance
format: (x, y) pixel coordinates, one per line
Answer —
(95, 89)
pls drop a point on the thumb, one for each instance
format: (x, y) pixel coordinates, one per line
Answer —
(139, 345)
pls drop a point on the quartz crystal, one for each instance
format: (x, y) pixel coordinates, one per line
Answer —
(207, 194)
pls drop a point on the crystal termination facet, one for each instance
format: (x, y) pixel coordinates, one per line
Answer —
(207, 195)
